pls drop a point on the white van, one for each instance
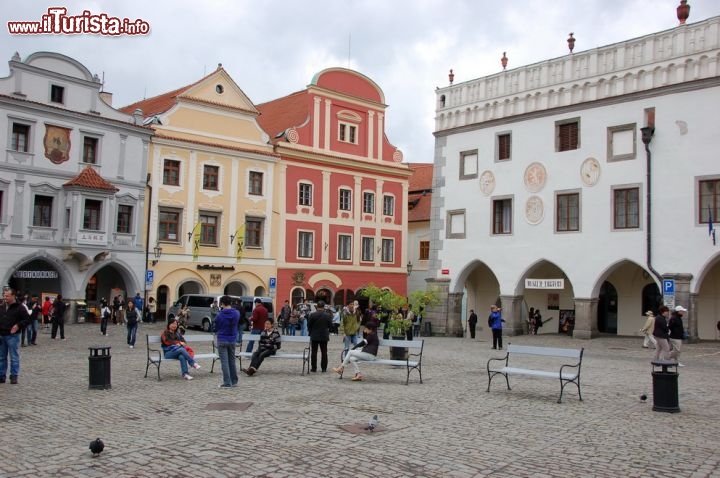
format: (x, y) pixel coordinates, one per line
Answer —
(200, 314)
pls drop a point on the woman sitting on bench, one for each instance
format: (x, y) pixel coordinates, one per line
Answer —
(368, 351)
(174, 347)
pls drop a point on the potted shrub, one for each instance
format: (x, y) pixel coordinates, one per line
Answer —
(389, 303)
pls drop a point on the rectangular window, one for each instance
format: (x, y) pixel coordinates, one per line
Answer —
(504, 141)
(124, 219)
(455, 226)
(567, 135)
(709, 201)
(253, 232)
(621, 142)
(169, 225)
(57, 93)
(568, 212)
(347, 133)
(626, 208)
(469, 164)
(208, 229)
(344, 247)
(92, 215)
(305, 198)
(502, 216)
(42, 211)
(305, 244)
(345, 200)
(211, 176)
(388, 250)
(368, 249)
(424, 251)
(90, 150)
(369, 203)
(171, 172)
(20, 137)
(388, 205)
(256, 183)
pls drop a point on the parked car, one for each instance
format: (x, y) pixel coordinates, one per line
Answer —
(200, 313)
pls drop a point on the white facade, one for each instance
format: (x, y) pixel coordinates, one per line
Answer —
(553, 209)
(72, 184)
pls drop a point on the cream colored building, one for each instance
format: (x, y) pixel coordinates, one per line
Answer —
(212, 173)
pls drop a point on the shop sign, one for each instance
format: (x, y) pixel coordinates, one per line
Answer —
(544, 283)
(35, 275)
(91, 238)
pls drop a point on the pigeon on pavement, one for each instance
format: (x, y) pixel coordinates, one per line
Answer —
(373, 423)
(96, 447)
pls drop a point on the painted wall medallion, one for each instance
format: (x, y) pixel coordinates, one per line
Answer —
(534, 210)
(57, 144)
(590, 171)
(535, 177)
(487, 182)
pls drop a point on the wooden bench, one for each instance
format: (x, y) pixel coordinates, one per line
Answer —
(280, 354)
(568, 373)
(412, 361)
(155, 354)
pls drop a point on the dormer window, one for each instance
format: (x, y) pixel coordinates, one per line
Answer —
(57, 94)
(348, 133)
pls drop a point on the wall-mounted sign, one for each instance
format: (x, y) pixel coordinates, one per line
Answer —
(35, 274)
(85, 237)
(544, 283)
(445, 272)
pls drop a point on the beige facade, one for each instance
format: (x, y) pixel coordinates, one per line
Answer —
(212, 174)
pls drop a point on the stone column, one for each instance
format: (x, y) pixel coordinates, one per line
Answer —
(454, 309)
(585, 318)
(438, 315)
(512, 314)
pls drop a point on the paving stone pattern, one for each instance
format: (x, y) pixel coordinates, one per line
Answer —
(447, 427)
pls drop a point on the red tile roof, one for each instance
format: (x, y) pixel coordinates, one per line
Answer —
(90, 179)
(420, 192)
(278, 115)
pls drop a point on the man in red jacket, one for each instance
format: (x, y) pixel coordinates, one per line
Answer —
(257, 321)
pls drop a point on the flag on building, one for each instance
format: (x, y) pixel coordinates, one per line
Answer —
(239, 242)
(711, 227)
(196, 240)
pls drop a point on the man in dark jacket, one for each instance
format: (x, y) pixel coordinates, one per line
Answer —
(472, 323)
(319, 325)
(13, 318)
(257, 321)
(226, 330)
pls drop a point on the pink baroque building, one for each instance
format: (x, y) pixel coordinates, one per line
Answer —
(343, 205)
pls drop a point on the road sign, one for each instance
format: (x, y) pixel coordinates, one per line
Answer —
(149, 276)
(272, 283)
(668, 287)
(669, 301)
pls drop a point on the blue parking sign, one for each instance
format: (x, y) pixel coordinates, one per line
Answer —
(272, 282)
(668, 287)
(149, 276)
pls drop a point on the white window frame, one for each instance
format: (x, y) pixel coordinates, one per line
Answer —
(31, 124)
(388, 205)
(302, 197)
(511, 226)
(626, 187)
(367, 246)
(468, 157)
(570, 192)
(344, 249)
(348, 132)
(371, 195)
(308, 247)
(345, 204)
(451, 217)
(387, 250)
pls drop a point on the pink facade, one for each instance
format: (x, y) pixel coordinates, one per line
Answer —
(345, 214)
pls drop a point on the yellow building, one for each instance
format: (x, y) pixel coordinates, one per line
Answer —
(212, 173)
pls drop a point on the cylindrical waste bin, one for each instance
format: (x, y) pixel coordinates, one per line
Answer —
(427, 332)
(665, 386)
(99, 363)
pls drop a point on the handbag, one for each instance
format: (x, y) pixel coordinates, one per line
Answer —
(190, 351)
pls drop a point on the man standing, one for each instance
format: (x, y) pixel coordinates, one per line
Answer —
(138, 301)
(47, 305)
(472, 323)
(32, 329)
(304, 311)
(349, 325)
(226, 330)
(677, 331)
(58, 318)
(319, 325)
(285, 314)
(257, 321)
(495, 321)
(13, 317)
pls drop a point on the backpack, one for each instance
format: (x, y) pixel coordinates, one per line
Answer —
(106, 313)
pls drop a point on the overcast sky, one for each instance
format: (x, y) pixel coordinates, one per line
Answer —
(272, 47)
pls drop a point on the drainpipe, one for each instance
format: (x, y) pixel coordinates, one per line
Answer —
(647, 135)
(147, 238)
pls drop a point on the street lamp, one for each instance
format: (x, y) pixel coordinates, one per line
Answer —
(157, 250)
(409, 267)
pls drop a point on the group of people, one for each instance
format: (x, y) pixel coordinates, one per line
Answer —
(319, 324)
(130, 313)
(495, 322)
(21, 317)
(665, 332)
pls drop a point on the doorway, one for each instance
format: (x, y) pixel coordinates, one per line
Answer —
(607, 309)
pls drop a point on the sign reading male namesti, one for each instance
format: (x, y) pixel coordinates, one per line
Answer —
(544, 283)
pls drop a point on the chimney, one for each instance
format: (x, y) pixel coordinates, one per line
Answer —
(106, 97)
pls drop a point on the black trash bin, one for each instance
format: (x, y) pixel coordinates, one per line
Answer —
(665, 386)
(99, 363)
(427, 332)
